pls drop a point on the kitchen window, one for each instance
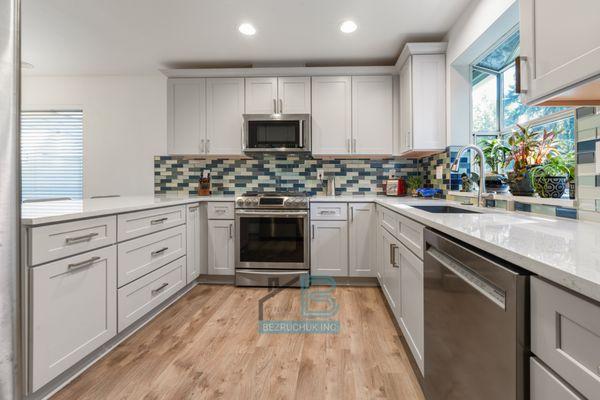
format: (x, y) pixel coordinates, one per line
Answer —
(496, 107)
(52, 154)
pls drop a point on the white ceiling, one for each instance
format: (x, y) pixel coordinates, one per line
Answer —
(141, 36)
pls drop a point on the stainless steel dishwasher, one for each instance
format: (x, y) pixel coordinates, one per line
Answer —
(476, 324)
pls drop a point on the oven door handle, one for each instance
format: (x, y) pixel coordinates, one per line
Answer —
(281, 213)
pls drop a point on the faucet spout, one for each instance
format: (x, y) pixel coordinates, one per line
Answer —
(482, 193)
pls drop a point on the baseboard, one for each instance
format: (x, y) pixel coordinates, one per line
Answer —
(52, 387)
(217, 279)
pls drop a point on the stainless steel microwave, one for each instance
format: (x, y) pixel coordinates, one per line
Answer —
(277, 133)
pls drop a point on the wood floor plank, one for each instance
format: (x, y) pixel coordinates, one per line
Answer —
(207, 346)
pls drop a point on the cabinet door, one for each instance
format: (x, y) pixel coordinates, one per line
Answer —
(558, 58)
(329, 248)
(372, 116)
(361, 239)
(186, 115)
(193, 242)
(406, 106)
(224, 109)
(331, 114)
(221, 260)
(428, 101)
(261, 95)
(294, 95)
(390, 271)
(411, 301)
(73, 311)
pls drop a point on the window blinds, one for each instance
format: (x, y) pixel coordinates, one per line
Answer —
(52, 154)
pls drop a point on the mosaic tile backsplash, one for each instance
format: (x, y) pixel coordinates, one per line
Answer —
(270, 172)
(588, 162)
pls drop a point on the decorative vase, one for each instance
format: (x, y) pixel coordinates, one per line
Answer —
(520, 184)
(550, 186)
(572, 190)
(496, 183)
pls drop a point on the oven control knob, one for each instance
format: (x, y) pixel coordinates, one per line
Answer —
(240, 202)
(248, 202)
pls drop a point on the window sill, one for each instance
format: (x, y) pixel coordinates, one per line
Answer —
(568, 203)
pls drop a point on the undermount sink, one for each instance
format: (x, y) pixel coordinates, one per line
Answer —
(446, 210)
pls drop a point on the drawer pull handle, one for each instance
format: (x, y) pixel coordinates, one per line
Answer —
(220, 210)
(82, 264)
(158, 221)
(84, 238)
(160, 288)
(160, 251)
(194, 208)
(327, 212)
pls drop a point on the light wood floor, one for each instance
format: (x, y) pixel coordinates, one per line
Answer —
(207, 345)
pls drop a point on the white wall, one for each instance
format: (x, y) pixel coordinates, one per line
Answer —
(479, 27)
(124, 126)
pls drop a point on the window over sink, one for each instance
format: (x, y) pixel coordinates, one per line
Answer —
(52, 154)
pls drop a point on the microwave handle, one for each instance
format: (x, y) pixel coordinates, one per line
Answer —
(301, 134)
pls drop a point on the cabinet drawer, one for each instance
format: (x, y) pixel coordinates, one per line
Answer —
(565, 335)
(329, 211)
(73, 311)
(141, 296)
(544, 385)
(411, 235)
(135, 224)
(220, 210)
(51, 242)
(390, 221)
(140, 256)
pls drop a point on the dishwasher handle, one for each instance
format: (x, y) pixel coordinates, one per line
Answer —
(471, 278)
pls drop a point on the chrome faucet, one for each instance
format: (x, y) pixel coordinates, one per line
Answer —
(481, 194)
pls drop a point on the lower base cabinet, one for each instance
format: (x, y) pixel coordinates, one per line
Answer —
(73, 311)
(390, 271)
(142, 295)
(329, 248)
(544, 385)
(221, 247)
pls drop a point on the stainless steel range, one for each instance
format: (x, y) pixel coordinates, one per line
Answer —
(272, 239)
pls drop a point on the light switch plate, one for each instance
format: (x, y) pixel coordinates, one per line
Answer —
(320, 174)
(439, 172)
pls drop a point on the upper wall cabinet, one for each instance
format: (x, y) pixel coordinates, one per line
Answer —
(423, 105)
(352, 115)
(285, 95)
(558, 64)
(205, 115)
(224, 109)
(331, 114)
(372, 117)
(186, 115)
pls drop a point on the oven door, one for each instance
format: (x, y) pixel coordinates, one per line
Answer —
(274, 239)
(287, 133)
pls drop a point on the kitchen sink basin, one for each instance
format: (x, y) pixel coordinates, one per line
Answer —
(446, 210)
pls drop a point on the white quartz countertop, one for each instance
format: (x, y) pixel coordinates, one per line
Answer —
(63, 210)
(564, 251)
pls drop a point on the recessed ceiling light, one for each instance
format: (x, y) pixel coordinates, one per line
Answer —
(247, 29)
(348, 26)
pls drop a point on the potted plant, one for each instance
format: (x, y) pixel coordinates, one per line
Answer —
(496, 157)
(527, 150)
(413, 183)
(550, 178)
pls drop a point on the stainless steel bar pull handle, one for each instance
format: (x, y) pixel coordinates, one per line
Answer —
(230, 231)
(160, 251)
(393, 248)
(354, 145)
(351, 214)
(207, 145)
(313, 231)
(518, 77)
(160, 288)
(83, 238)
(82, 264)
(274, 106)
(281, 106)
(192, 209)
(158, 221)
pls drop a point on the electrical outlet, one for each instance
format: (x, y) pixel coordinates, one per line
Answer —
(320, 174)
(392, 174)
(439, 172)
